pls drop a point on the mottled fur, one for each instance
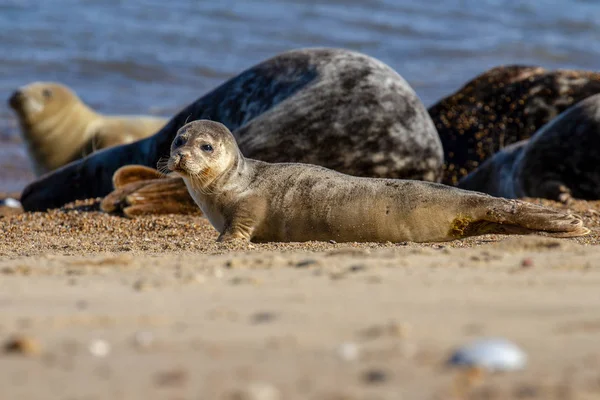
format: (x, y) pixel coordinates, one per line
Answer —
(503, 106)
(263, 202)
(59, 128)
(560, 161)
(331, 107)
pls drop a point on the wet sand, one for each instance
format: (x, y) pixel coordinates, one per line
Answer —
(153, 308)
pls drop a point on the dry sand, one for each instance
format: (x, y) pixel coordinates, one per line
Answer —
(110, 308)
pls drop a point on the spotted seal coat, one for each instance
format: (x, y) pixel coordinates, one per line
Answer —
(559, 162)
(503, 106)
(331, 107)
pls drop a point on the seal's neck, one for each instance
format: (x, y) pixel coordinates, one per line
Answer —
(59, 138)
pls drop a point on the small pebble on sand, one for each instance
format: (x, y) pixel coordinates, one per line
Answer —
(490, 354)
(348, 351)
(22, 345)
(375, 376)
(99, 348)
(257, 391)
(10, 202)
(527, 262)
(143, 339)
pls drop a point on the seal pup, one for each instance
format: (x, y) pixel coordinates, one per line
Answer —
(561, 161)
(502, 106)
(258, 201)
(332, 107)
(58, 127)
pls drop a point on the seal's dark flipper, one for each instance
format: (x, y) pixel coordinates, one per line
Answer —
(134, 173)
(148, 197)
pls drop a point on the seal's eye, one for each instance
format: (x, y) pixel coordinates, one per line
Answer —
(47, 93)
(207, 148)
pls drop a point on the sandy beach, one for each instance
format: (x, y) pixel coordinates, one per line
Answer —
(95, 306)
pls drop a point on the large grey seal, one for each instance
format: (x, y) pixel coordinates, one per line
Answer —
(502, 106)
(59, 128)
(562, 160)
(292, 202)
(332, 107)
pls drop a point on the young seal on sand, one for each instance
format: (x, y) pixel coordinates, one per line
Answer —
(59, 128)
(561, 161)
(291, 202)
(503, 106)
(331, 107)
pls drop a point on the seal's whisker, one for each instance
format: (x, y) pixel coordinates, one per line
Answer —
(162, 165)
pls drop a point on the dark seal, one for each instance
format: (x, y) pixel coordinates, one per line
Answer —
(559, 162)
(503, 106)
(331, 107)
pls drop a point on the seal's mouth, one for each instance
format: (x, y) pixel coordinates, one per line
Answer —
(176, 164)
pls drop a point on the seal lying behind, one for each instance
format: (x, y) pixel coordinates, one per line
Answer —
(559, 162)
(290, 202)
(59, 128)
(500, 107)
(331, 107)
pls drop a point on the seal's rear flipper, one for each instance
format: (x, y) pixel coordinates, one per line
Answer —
(534, 218)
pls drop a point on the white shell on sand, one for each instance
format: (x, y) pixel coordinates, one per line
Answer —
(10, 202)
(494, 354)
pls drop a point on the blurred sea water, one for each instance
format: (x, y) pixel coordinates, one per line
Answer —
(156, 56)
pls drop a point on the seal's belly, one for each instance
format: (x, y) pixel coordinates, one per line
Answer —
(378, 218)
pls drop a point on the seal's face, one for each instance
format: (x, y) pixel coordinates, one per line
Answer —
(202, 151)
(40, 100)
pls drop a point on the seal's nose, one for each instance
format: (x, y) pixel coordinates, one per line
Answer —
(15, 98)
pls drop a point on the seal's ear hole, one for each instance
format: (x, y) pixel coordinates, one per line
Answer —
(47, 93)
(207, 148)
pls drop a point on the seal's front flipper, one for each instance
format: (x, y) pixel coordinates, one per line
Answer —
(134, 195)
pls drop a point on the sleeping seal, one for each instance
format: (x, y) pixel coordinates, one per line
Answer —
(559, 162)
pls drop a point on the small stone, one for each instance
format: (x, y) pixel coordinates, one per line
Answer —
(141, 285)
(240, 280)
(332, 241)
(218, 273)
(234, 263)
(375, 376)
(10, 202)
(348, 351)
(306, 263)
(99, 348)
(262, 317)
(22, 345)
(491, 354)
(527, 262)
(143, 339)
(257, 391)
(173, 378)
(357, 268)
